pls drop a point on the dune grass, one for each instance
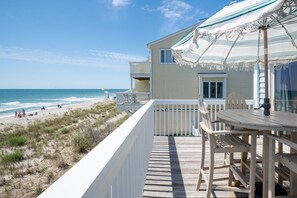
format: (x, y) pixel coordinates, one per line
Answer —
(15, 140)
(15, 156)
(57, 140)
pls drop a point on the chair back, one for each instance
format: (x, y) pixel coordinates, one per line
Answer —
(204, 115)
(235, 101)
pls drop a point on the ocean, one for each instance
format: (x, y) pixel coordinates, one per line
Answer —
(12, 100)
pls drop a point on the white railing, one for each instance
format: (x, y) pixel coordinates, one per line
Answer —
(116, 167)
(175, 117)
(181, 118)
(126, 98)
(140, 68)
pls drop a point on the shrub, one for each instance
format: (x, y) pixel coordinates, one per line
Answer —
(65, 130)
(81, 143)
(34, 127)
(48, 129)
(15, 156)
(17, 140)
(38, 189)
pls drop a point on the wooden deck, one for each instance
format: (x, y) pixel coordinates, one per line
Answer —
(173, 169)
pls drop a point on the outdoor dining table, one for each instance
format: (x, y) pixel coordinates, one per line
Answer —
(256, 120)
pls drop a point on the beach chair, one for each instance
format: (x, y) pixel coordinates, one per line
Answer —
(235, 101)
(224, 141)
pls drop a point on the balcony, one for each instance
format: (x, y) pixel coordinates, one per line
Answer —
(140, 70)
(155, 153)
(127, 101)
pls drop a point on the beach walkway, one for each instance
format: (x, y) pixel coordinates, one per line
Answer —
(173, 169)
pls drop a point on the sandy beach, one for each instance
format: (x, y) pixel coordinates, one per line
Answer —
(45, 114)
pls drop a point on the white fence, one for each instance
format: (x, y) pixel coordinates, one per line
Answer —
(181, 118)
(127, 101)
(116, 167)
(131, 98)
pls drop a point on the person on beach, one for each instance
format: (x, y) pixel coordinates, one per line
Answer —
(24, 112)
(43, 108)
(15, 114)
(19, 114)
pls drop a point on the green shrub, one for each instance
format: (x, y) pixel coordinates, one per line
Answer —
(17, 140)
(65, 130)
(81, 143)
(15, 156)
(48, 129)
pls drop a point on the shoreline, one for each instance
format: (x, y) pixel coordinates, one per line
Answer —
(10, 121)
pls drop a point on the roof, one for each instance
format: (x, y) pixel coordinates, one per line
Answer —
(185, 30)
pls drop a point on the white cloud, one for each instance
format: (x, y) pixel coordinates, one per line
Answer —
(174, 8)
(92, 58)
(120, 3)
(149, 9)
(178, 15)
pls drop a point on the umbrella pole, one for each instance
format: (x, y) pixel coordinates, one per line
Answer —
(266, 104)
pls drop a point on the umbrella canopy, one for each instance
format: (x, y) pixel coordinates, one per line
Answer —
(241, 35)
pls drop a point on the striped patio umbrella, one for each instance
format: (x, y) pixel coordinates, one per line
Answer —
(241, 35)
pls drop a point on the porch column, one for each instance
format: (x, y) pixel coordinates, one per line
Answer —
(131, 83)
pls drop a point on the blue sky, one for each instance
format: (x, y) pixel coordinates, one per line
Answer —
(86, 43)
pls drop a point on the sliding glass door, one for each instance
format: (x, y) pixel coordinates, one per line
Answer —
(286, 88)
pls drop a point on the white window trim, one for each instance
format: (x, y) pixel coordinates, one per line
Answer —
(165, 56)
(204, 78)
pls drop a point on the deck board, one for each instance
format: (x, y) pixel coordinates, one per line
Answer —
(173, 169)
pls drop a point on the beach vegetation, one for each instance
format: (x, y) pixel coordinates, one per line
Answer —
(50, 176)
(80, 143)
(38, 189)
(48, 129)
(65, 130)
(121, 120)
(62, 164)
(53, 145)
(15, 156)
(20, 130)
(17, 140)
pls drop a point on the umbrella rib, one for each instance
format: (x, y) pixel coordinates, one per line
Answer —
(209, 46)
(287, 32)
(232, 47)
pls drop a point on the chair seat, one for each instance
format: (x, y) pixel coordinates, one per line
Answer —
(289, 160)
(230, 143)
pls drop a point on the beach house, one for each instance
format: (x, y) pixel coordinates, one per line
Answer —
(142, 158)
(171, 81)
(161, 78)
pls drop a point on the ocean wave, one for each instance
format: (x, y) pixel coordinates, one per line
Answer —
(14, 106)
(75, 99)
(20, 106)
(10, 103)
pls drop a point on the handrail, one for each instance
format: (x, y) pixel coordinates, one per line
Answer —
(117, 166)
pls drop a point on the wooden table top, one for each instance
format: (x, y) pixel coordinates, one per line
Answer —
(255, 119)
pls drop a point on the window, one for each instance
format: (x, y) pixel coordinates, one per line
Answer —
(212, 89)
(212, 85)
(166, 56)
